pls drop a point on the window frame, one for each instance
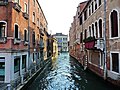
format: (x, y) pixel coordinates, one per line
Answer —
(5, 32)
(18, 31)
(111, 61)
(110, 24)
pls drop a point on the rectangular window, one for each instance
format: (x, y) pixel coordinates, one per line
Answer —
(89, 10)
(16, 31)
(2, 68)
(95, 4)
(85, 14)
(24, 61)
(80, 20)
(115, 62)
(92, 7)
(81, 37)
(99, 2)
(25, 35)
(16, 64)
(33, 38)
(33, 18)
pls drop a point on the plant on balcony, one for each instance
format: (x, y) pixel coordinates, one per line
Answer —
(89, 39)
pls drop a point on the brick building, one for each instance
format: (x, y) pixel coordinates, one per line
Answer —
(23, 37)
(99, 38)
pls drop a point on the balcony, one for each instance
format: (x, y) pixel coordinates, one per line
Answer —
(3, 3)
(25, 15)
(89, 42)
(17, 7)
(3, 39)
(17, 41)
(25, 43)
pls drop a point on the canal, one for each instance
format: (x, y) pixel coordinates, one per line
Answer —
(66, 73)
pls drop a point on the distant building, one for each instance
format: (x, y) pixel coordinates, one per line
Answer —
(62, 42)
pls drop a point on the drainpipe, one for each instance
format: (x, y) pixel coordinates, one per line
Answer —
(105, 50)
(28, 32)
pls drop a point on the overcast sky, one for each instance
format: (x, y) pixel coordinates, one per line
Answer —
(59, 14)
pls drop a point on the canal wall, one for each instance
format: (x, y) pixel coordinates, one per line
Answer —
(33, 77)
(99, 73)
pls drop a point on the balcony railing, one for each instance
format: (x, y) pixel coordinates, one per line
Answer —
(3, 2)
(25, 15)
(17, 41)
(3, 39)
(17, 7)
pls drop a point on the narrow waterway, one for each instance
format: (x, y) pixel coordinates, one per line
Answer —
(67, 74)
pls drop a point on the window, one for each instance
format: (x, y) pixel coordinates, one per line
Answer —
(33, 38)
(33, 57)
(95, 4)
(25, 35)
(16, 31)
(80, 20)
(99, 2)
(33, 19)
(34, 3)
(25, 8)
(92, 7)
(81, 37)
(38, 22)
(2, 68)
(85, 14)
(2, 29)
(85, 34)
(114, 23)
(100, 28)
(89, 10)
(115, 62)
(24, 61)
(90, 30)
(16, 64)
(96, 28)
(93, 32)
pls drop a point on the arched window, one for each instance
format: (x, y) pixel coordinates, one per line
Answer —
(93, 32)
(90, 30)
(16, 32)
(114, 23)
(2, 29)
(96, 28)
(100, 28)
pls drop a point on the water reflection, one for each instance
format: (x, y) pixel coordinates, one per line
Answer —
(66, 74)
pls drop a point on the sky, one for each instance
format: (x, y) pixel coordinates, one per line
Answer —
(59, 14)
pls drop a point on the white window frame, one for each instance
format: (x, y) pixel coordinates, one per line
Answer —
(110, 24)
(111, 60)
(102, 27)
(5, 28)
(26, 35)
(25, 7)
(18, 31)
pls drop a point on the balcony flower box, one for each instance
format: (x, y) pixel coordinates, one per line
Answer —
(17, 41)
(89, 42)
(25, 15)
(89, 39)
(17, 7)
(3, 39)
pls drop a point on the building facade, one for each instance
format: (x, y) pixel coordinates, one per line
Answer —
(62, 42)
(99, 38)
(23, 39)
